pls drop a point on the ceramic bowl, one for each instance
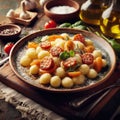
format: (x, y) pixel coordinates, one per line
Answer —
(60, 16)
(9, 31)
(20, 48)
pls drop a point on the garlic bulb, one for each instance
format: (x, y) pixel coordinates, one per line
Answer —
(24, 14)
(30, 4)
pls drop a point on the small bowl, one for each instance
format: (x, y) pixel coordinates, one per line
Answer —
(62, 17)
(9, 31)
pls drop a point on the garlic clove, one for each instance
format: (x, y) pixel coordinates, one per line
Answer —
(30, 4)
(24, 14)
(10, 13)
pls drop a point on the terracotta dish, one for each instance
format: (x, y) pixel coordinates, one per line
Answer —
(62, 17)
(9, 31)
(19, 48)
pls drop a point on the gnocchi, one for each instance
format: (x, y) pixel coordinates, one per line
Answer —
(79, 80)
(61, 61)
(84, 68)
(45, 78)
(25, 61)
(31, 52)
(97, 53)
(42, 54)
(92, 73)
(55, 81)
(67, 82)
(60, 72)
(34, 69)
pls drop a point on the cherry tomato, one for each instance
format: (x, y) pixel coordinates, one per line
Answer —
(69, 62)
(87, 58)
(55, 51)
(8, 47)
(45, 45)
(50, 24)
(79, 37)
(46, 63)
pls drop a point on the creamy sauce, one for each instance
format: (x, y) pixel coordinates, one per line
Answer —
(62, 9)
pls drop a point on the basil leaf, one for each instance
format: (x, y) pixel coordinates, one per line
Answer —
(72, 53)
(64, 55)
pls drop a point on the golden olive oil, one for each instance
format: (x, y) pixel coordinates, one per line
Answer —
(91, 11)
(111, 26)
(110, 21)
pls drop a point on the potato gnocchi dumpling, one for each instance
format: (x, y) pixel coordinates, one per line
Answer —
(92, 73)
(34, 69)
(97, 53)
(25, 61)
(67, 82)
(84, 68)
(42, 54)
(78, 45)
(55, 81)
(45, 78)
(64, 60)
(38, 49)
(60, 72)
(88, 42)
(79, 80)
(31, 52)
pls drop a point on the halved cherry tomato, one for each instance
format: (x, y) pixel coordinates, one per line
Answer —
(69, 62)
(46, 63)
(74, 74)
(55, 51)
(87, 58)
(79, 37)
(45, 45)
(50, 24)
(8, 47)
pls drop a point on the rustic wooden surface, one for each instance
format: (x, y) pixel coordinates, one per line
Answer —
(10, 79)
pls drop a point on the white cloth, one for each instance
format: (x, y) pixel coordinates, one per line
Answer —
(28, 108)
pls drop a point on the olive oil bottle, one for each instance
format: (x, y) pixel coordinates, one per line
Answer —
(91, 11)
(110, 20)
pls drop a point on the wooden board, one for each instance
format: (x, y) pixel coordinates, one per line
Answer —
(25, 22)
(59, 103)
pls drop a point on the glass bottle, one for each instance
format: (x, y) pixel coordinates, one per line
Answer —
(110, 20)
(91, 11)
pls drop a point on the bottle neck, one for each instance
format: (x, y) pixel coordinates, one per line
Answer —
(115, 5)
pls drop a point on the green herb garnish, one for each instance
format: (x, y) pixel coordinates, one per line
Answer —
(64, 55)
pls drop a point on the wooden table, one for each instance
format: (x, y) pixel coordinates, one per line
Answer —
(109, 101)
